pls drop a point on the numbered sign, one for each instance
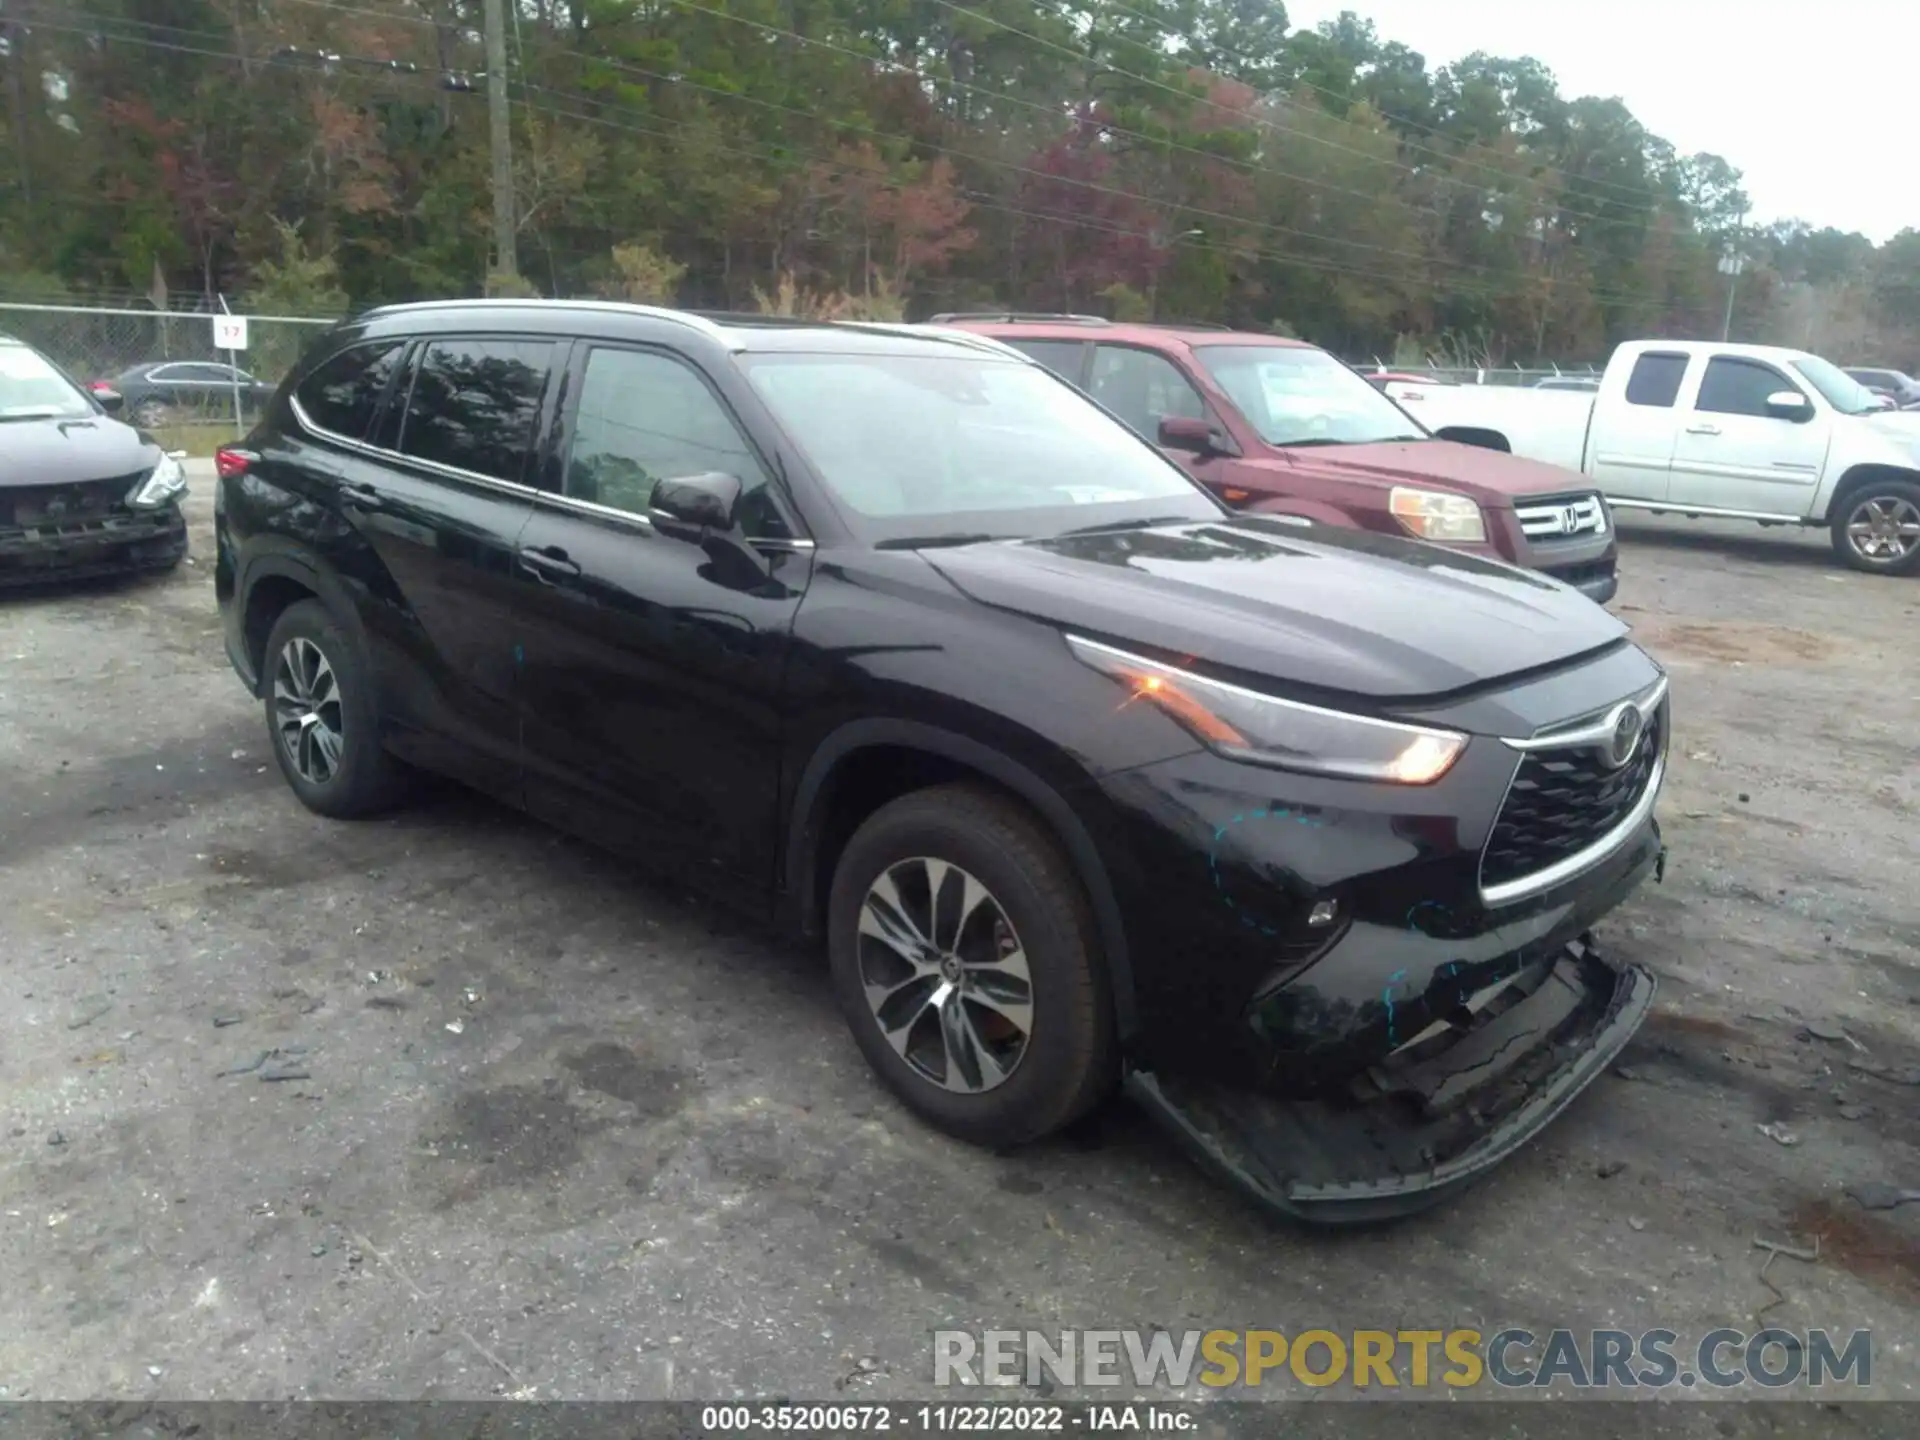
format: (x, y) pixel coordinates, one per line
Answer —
(229, 332)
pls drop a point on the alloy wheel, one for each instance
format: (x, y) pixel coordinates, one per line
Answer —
(945, 975)
(1884, 529)
(306, 710)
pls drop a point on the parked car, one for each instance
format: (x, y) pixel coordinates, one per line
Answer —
(892, 636)
(1280, 426)
(1900, 388)
(161, 389)
(81, 494)
(1748, 432)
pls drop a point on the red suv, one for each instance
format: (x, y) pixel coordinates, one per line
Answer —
(1277, 425)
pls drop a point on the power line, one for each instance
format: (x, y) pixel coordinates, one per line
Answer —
(1305, 262)
(1449, 158)
(1054, 114)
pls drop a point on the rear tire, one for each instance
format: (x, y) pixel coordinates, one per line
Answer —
(322, 719)
(998, 1029)
(1876, 528)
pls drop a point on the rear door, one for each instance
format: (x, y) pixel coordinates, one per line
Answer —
(1630, 450)
(1734, 453)
(654, 657)
(438, 496)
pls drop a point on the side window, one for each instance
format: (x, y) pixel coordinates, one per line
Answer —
(1142, 388)
(1063, 357)
(1656, 380)
(1739, 387)
(644, 418)
(475, 404)
(344, 392)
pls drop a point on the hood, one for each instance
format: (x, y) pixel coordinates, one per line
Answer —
(1335, 611)
(1470, 469)
(61, 452)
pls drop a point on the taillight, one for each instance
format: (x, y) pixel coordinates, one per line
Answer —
(229, 461)
(99, 387)
(1235, 496)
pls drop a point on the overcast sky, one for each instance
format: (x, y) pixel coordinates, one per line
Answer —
(1796, 96)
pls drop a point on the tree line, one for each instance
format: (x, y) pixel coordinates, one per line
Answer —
(1189, 159)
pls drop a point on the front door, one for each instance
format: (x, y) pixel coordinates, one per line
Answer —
(1733, 453)
(653, 658)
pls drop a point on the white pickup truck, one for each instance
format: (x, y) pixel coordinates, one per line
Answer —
(1748, 432)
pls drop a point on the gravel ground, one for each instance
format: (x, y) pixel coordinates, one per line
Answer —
(531, 1125)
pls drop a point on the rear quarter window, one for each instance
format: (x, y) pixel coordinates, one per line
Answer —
(343, 394)
(1656, 380)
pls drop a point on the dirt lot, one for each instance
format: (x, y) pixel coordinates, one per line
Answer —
(552, 1131)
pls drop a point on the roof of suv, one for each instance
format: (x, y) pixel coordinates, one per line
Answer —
(736, 332)
(1027, 326)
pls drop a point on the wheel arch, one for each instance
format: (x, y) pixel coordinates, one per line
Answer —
(812, 835)
(1857, 477)
(273, 581)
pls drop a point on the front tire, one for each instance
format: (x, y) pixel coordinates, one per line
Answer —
(1877, 528)
(322, 719)
(965, 960)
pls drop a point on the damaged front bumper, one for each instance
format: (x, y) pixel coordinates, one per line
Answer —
(1444, 1108)
(115, 544)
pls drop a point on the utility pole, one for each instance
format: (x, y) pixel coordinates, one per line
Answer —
(506, 260)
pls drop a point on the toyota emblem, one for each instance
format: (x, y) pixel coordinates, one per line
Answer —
(1627, 724)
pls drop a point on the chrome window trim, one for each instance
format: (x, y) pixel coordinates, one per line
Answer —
(1581, 861)
(380, 452)
(1596, 730)
(511, 487)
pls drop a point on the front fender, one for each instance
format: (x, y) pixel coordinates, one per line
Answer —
(799, 869)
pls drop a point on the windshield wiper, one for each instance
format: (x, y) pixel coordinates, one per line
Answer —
(1146, 524)
(1312, 440)
(42, 412)
(929, 542)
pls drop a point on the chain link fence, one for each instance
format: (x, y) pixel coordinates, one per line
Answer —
(160, 359)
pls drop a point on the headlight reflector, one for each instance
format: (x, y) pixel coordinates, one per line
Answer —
(168, 481)
(1436, 515)
(1264, 730)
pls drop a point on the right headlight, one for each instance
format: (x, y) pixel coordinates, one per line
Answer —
(1438, 515)
(1264, 730)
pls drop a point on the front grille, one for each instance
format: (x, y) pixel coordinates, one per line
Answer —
(29, 506)
(1562, 517)
(1562, 801)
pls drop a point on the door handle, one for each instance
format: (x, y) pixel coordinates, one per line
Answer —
(360, 494)
(1703, 429)
(549, 564)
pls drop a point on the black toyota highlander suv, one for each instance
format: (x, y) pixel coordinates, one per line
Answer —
(1297, 832)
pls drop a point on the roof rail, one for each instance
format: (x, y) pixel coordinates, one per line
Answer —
(1006, 317)
(689, 318)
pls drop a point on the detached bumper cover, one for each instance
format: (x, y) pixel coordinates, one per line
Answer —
(1448, 1106)
(78, 550)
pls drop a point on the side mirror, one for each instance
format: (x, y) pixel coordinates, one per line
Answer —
(704, 502)
(1788, 405)
(111, 401)
(1182, 432)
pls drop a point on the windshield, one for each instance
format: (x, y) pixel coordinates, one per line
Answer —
(1304, 397)
(967, 445)
(31, 389)
(1836, 387)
